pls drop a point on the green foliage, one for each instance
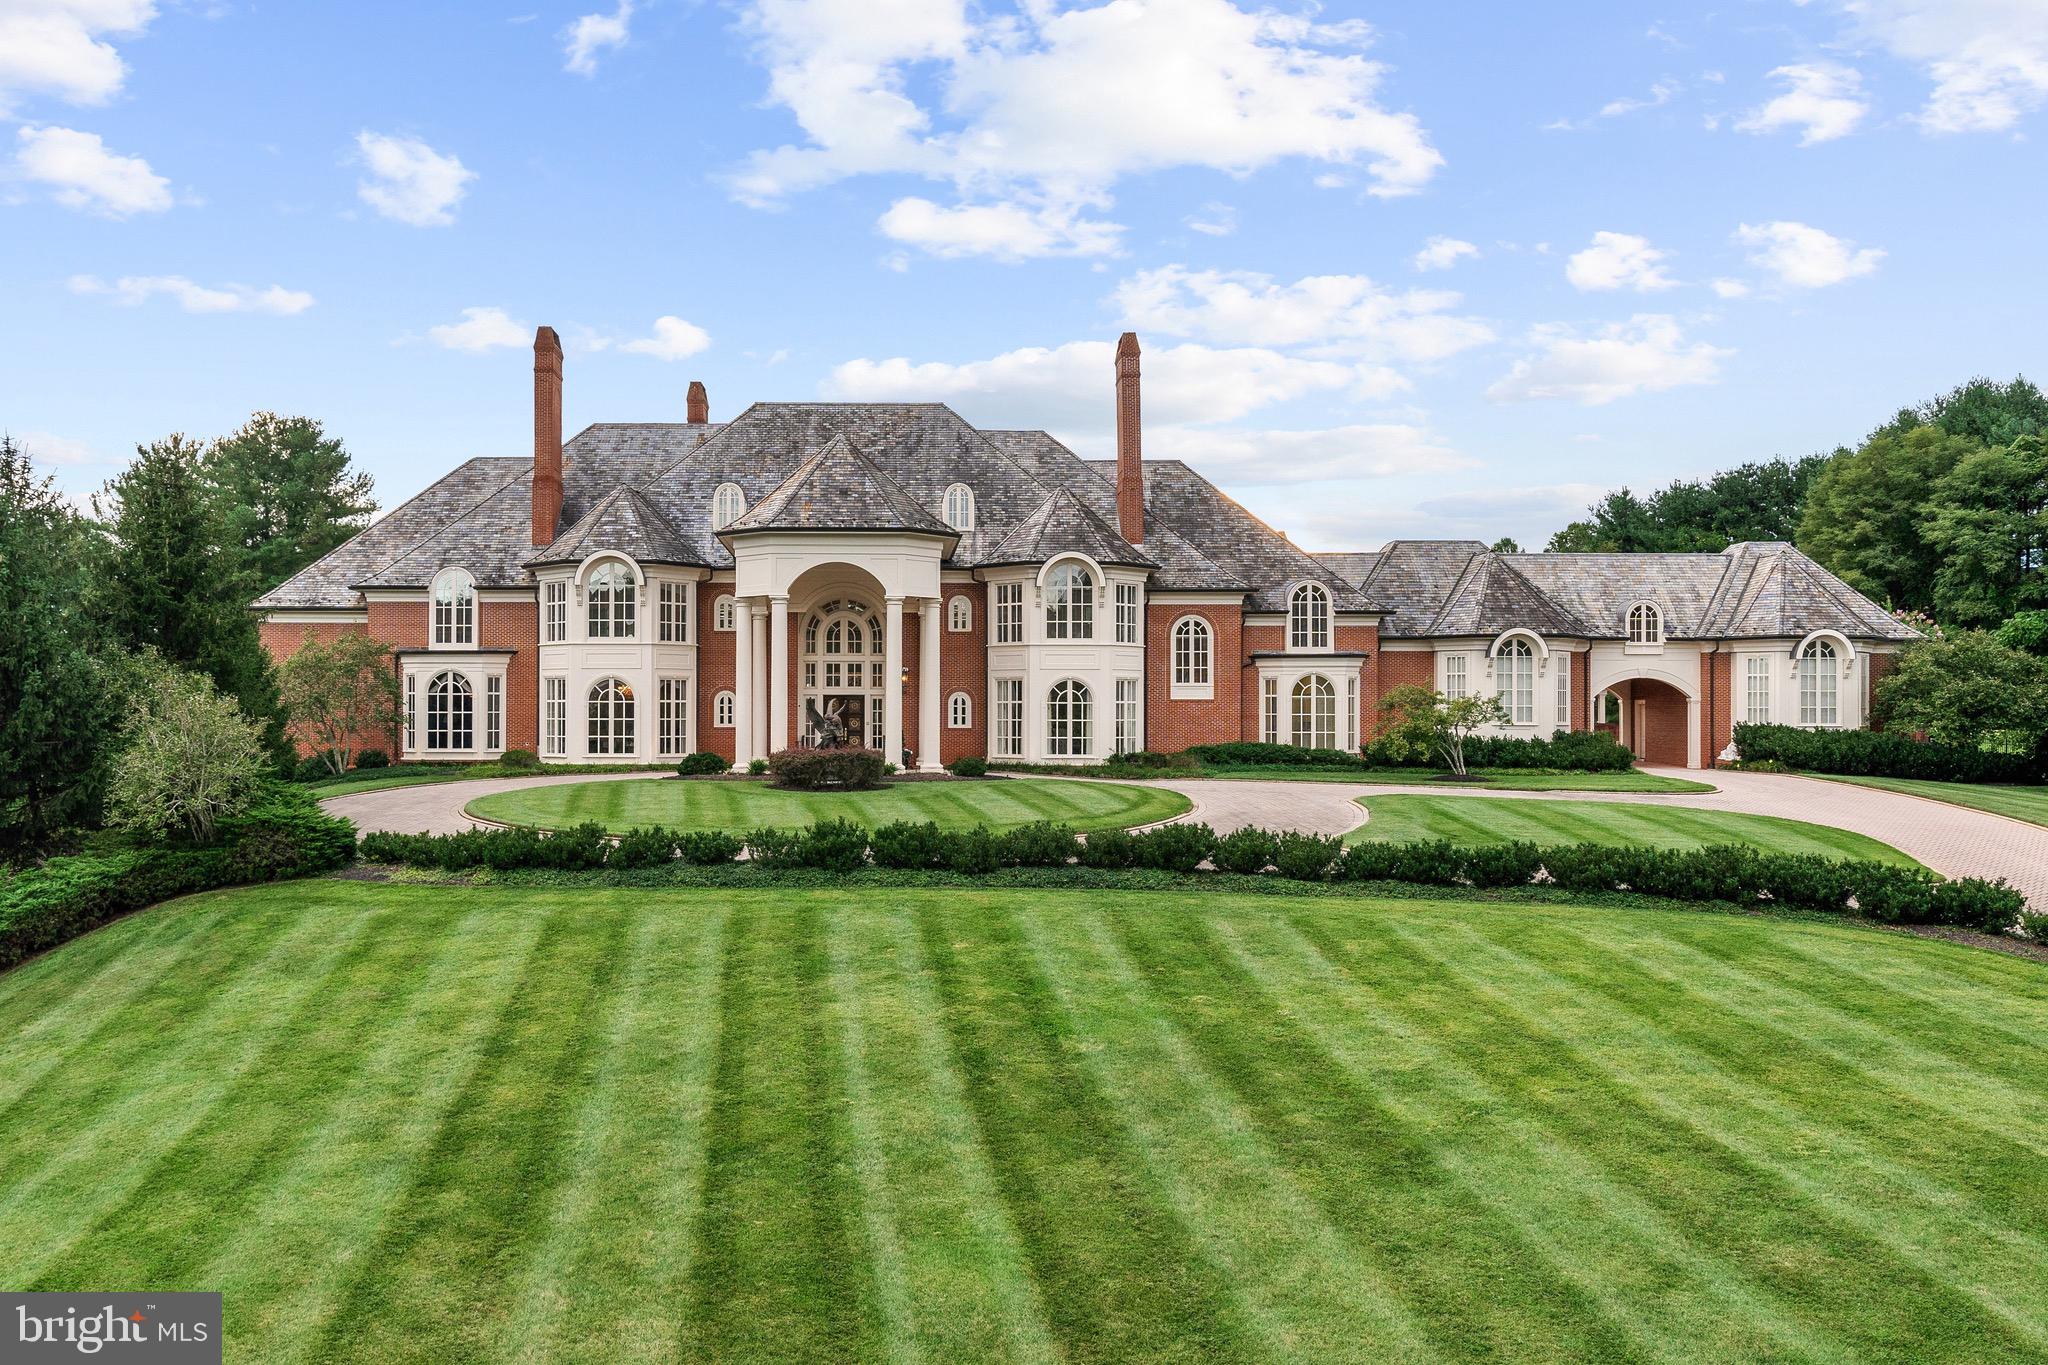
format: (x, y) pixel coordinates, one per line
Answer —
(1306, 857)
(968, 765)
(338, 692)
(705, 847)
(908, 844)
(1245, 754)
(1174, 848)
(835, 846)
(1989, 524)
(371, 759)
(701, 764)
(1421, 721)
(1982, 410)
(2026, 630)
(1245, 851)
(973, 851)
(1968, 690)
(1873, 753)
(1750, 502)
(58, 697)
(1863, 513)
(757, 766)
(1147, 762)
(289, 494)
(651, 846)
(775, 847)
(188, 758)
(1042, 843)
(1110, 848)
(826, 769)
(518, 760)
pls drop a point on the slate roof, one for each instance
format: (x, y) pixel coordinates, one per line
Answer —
(1411, 579)
(1353, 566)
(1063, 524)
(1490, 597)
(1771, 589)
(838, 489)
(623, 520)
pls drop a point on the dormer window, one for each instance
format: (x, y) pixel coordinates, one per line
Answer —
(728, 505)
(1308, 617)
(613, 603)
(960, 507)
(454, 609)
(1645, 624)
(1069, 603)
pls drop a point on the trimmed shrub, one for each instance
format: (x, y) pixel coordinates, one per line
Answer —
(519, 760)
(968, 765)
(1042, 843)
(649, 847)
(908, 844)
(757, 766)
(1150, 761)
(1245, 851)
(1109, 848)
(1502, 864)
(1307, 857)
(775, 847)
(1175, 848)
(1972, 903)
(823, 769)
(972, 851)
(703, 847)
(1565, 751)
(1809, 881)
(1874, 753)
(1246, 754)
(835, 846)
(372, 758)
(701, 764)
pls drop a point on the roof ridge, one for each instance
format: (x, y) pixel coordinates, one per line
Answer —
(441, 530)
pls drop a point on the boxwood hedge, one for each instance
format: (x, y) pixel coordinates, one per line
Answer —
(1878, 753)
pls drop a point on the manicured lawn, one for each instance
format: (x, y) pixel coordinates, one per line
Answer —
(2021, 803)
(1476, 820)
(429, 1124)
(1500, 779)
(741, 806)
(415, 775)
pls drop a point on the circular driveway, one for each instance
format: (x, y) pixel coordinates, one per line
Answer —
(1953, 840)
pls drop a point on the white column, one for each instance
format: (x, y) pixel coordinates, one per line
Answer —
(1692, 732)
(892, 681)
(778, 673)
(928, 688)
(742, 685)
(759, 701)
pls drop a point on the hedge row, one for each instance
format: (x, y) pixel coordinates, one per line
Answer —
(1738, 874)
(1564, 751)
(1876, 753)
(284, 836)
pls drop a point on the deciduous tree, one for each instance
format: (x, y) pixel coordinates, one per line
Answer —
(1969, 689)
(188, 757)
(341, 695)
(1863, 513)
(1988, 521)
(1423, 721)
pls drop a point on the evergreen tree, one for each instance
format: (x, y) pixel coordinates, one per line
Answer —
(288, 492)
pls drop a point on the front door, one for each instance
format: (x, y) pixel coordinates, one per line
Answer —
(1639, 732)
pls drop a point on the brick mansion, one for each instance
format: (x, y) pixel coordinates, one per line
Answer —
(888, 574)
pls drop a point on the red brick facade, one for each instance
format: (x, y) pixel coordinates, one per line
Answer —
(1172, 725)
(715, 671)
(963, 667)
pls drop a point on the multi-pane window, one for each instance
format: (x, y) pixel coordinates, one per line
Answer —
(454, 608)
(1308, 617)
(1514, 671)
(1269, 710)
(1009, 717)
(554, 715)
(959, 711)
(1756, 690)
(412, 712)
(1563, 665)
(960, 613)
(728, 504)
(451, 713)
(1126, 715)
(1818, 680)
(1454, 676)
(1645, 625)
(1313, 711)
(674, 726)
(611, 717)
(721, 711)
(1127, 613)
(1351, 712)
(1009, 613)
(1067, 719)
(554, 613)
(494, 713)
(1191, 653)
(674, 612)
(611, 594)
(721, 615)
(960, 507)
(1069, 604)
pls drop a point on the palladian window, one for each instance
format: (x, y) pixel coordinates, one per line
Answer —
(1069, 604)
(611, 595)
(1308, 617)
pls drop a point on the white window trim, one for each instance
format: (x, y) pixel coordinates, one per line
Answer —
(1457, 682)
(554, 611)
(1008, 611)
(966, 521)
(462, 625)
(719, 519)
(554, 738)
(1090, 598)
(1325, 627)
(722, 706)
(1193, 689)
(723, 611)
(1007, 728)
(1131, 596)
(959, 711)
(959, 613)
(1630, 644)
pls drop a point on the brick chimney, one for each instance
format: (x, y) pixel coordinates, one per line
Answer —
(1130, 458)
(698, 404)
(547, 435)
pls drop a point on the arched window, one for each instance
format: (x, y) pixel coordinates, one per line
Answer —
(1819, 680)
(721, 615)
(960, 711)
(1308, 617)
(1067, 719)
(454, 608)
(1645, 624)
(613, 606)
(1313, 710)
(960, 507)
(451, 713)
(1191, 653)
(1514, 681)
(611, 717)
(1069, 603)
(721, 710)
(960, 613)
(728, 505)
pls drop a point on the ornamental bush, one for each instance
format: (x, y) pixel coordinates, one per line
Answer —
(1876, 753)
(1042, 843)
(651, 846)
(1109, 848)
(703, 847)
(775, 847)
(519, 760)
(1512, 864)
(908, 844)
(1306, 857)
(834, 846)
(1175, 848)
(972, 851)
(822, 769)
(1245, 851)
(367, 759)
(968, 765)
(701, 764)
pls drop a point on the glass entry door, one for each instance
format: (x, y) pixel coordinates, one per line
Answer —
(841, 680)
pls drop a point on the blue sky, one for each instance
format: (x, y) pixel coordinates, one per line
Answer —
(1399, 269)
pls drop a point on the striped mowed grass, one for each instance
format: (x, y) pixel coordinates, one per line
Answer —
(1477, 820)
(1003, 803)
(431, 1124)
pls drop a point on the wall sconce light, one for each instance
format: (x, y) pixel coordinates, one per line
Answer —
(903, 676)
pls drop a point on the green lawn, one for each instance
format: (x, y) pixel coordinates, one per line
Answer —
(1476, 820)
(1500, 779)
(429, 1124)
(2021, 803)
(741, 806)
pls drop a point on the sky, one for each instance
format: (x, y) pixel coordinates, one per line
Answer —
(1399, 269)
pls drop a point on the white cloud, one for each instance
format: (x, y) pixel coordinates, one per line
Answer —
(481, 329)
(1007, 231)
(1619, 260)
(673, 339)
(58, 47)
(1215, 220)
(132, 290)
(49, 448)
(1988, 59)
(1646, 354)
(409, 181)
(582, 40)
(83, 174)
(1441, 253)
(1660, 95)
(1050, 107)
(1822, 99)
(1730, 289)
(1254, 457)
(1563, 500)
(1340, 312)
(1805, 257)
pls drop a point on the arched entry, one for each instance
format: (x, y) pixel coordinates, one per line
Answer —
(1653, 718)
(840, 675)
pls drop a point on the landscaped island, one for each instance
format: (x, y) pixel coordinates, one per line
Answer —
(419, 1124)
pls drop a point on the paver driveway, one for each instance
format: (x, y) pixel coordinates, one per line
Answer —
(1953, 840)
